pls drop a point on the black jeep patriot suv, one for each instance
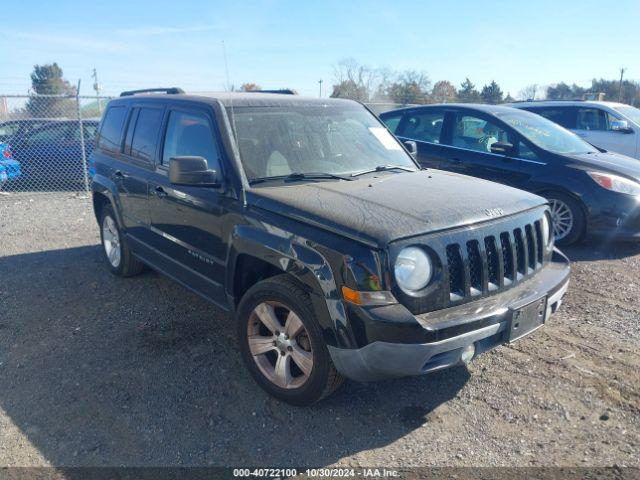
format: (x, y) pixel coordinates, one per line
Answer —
(305, 217)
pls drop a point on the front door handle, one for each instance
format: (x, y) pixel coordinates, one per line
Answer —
(118, 175)
(160, 192)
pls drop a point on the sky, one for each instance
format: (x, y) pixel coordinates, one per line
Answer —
(293, 44)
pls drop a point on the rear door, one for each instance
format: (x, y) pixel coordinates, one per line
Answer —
(469, 148)
(131, 173)
(187, 221)
(425, 127)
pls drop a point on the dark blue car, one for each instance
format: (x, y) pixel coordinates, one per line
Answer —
(590, 191)
(50, 156)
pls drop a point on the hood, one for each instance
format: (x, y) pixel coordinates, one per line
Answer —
(610, 162)
(390, 206)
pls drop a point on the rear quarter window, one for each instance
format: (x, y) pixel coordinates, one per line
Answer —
(111, 131)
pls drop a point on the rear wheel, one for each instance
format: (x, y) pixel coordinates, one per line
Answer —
(117, 253)
(282, 345)
(567, 218)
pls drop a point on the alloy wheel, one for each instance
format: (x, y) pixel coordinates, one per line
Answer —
(111, 241)
(561, 218)
(280, 345)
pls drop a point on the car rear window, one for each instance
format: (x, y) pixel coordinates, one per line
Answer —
(143, 144)
(112, 128)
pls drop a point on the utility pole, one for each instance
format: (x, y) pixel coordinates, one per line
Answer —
(320, 83)
(226, 66)
(96, 87)
(622, 70)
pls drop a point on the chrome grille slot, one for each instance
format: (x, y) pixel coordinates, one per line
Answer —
(475, 267)
(493, 262)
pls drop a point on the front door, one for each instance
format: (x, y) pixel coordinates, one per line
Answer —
(186, 221)
(469, 149)
(594, 125)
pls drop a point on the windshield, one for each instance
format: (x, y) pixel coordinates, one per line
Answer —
(632, 113)
(279, 141)
(545, 133)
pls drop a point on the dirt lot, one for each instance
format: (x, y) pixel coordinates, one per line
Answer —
(96, 370)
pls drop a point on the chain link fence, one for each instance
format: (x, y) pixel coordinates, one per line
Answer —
(45, 143)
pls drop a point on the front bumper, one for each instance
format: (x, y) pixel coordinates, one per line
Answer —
(483, 324)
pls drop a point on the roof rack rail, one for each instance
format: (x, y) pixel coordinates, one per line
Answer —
(283, 91)
(531, 100)
(168, 91)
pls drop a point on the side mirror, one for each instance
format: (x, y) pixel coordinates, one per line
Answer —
(192, 171)
(501, 148)
(412, 147)
(621, 126)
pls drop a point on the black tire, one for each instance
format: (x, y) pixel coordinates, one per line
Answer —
(578, 228)
(324, 379)
(128, 265)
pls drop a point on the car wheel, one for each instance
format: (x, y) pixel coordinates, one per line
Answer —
(567, 218)
(117, 253)
(282, 345)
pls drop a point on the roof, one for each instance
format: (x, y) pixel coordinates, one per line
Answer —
(482, 107)
(241, 99)
(564, 103)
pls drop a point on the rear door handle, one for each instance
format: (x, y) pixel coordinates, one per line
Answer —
(455, 161)
(118, 174)
(160, 192)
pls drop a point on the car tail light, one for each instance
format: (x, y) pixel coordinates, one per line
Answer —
(7, 153)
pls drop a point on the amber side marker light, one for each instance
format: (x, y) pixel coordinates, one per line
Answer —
(368, 298)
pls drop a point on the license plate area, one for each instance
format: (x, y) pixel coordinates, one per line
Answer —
(526, 319)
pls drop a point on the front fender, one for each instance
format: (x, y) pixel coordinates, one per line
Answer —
(298, 257)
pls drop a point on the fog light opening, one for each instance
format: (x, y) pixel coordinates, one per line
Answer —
(467, 353)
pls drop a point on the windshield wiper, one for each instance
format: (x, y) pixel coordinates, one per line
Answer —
(383, 168)
(301, 176)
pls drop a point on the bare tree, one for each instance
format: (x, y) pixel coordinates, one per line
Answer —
(410, 86)
(444, 92)
(529, 92)
(354, 80)
(250, 87)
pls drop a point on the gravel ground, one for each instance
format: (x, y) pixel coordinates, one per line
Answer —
(97, 370)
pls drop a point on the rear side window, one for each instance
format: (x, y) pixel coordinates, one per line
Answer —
(190, 134)
(424, 126)
(392, 121)
(562, 116)
(145, 134)
(109, 138)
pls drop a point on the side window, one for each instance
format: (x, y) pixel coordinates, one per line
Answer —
(392, 122)
(564, 117)
(423, 126)
(190, 134)
(593, 119)
(475, 133)
(111, 129)
(525, 152)
(56, 133)
(145, 134)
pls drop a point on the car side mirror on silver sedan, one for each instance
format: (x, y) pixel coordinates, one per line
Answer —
(621, 126)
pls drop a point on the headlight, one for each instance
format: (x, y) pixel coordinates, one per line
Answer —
(413, 269)
(547, 234)
(616, 183)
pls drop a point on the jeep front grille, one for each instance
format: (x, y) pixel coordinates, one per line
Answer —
(494, 261)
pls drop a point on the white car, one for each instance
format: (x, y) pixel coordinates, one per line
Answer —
(608, 125)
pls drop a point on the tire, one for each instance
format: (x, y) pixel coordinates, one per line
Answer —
(279, 364)
(567, 212)
(117, 253)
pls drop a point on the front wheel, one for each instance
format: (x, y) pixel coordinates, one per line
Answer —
(281, 343)
(567, 218)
